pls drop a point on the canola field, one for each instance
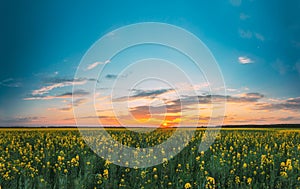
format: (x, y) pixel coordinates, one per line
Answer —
(239, 158)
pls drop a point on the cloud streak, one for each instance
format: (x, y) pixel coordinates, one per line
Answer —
(10, 82)
(138, 94)
(247, 34)
(111, 76)
(77, 93)
(292, 104)
(58, 83)
(20, 120)
(178, 105)
(95, 64)
(245, 60)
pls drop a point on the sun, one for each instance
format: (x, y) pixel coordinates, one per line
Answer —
(164, 124)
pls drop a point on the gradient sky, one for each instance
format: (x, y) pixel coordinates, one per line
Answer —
(256, 44)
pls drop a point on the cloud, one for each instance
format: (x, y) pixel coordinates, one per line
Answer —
(10, 82)
(280, 66)
(19, 119)
(79, 101)
(289, 104)
(289, 118)
(96, 117)
(111, 76)
(243, 16)
(66, 109)
(138, 94)
(247, 97)
(242, 98)
(74, 103)
(93, 65)
(77, 93)
(178, 105)
(245, 60)
(235, 3)
(259, 36)
(58, 83)
(150, 93)
(245, 34)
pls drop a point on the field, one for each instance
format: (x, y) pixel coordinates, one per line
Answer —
(239, 158)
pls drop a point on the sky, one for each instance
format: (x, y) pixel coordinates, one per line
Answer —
(256, 45)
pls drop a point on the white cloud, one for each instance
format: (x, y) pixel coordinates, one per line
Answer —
(259, 36)
(280, 66)
(95, 64)
(77, 93)
(245, 33)
(245, 60)
(244, 16)
(48, 88)
(236, 2)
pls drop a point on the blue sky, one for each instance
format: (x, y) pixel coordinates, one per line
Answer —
(256, 44)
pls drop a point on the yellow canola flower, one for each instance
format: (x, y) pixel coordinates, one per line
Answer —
(283, 174)
(143, 174)
(237, 180)
(60, 158)
(249, 180)
(187, 185)
(105, 173)
(211, 180)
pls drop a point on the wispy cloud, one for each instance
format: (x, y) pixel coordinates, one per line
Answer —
(244, 16)
(245, 60)
(138, 94)
(235, 2)
(289, 104)
(280, 66)
(178, 105)
(75, 103)
(10, 82)
(111, 76)
(150, 93)
(95, 64)
(58, 83)
(247, 34)
(14, 121)
(77, 93)
(259, 36)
